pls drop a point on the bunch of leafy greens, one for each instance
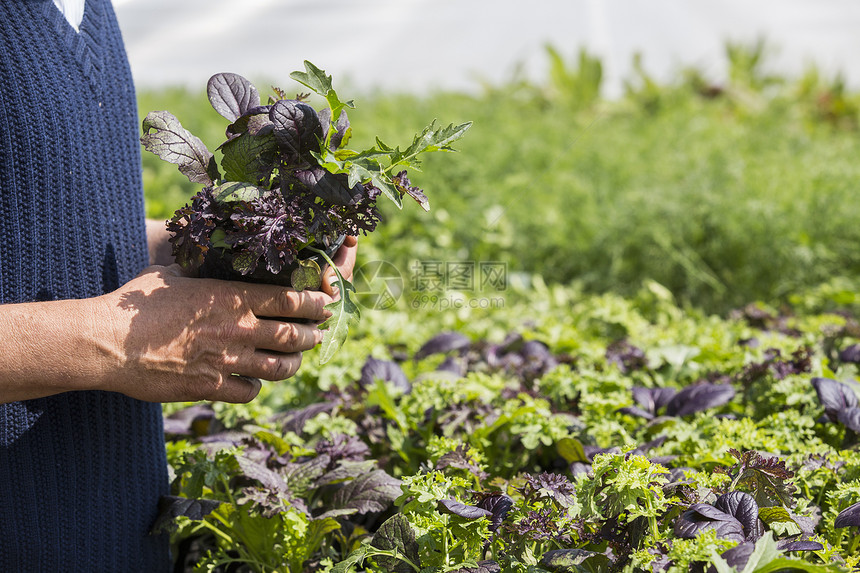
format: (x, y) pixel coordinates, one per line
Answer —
(287, 187)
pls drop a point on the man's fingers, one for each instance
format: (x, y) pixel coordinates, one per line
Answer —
(286, 337)
(270, 365)
(237, 389)
(279, 302)
(344, 260)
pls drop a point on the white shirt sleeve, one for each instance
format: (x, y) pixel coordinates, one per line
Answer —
(73, 10)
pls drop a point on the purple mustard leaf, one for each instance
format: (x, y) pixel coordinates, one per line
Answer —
(483, 567)
(330, 187)
(231, 95)
(652, 399)
(375, 369)
(701, 516)
(266, 228)
(455, 507)
(766, 476)
(834, 396)
(499, 505)
(636, 412)
(799, 545)
(743, 507)
(848, 516)
(188, 421)
(442, 343)
(164, 136)
(626, 356)
(297, 129)
(191, 229)
(396, 534)
(699, 397)
(850, 418)
(850, 354)
(170, 507)
(343, 447)
(738, 556)
(340, 135)
(367, 493)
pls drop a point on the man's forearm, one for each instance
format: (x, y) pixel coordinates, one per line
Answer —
(51, 349)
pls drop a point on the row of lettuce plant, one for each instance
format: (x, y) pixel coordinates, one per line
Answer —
(600, 434)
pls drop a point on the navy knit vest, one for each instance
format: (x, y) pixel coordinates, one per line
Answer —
(81, 472)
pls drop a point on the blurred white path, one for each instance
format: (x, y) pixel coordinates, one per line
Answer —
(418, 45)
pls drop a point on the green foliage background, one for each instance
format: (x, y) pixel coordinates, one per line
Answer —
(724, 194)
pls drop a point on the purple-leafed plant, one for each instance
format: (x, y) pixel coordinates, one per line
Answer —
(287, 189)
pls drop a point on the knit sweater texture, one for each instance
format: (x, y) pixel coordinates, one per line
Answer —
(80, 472)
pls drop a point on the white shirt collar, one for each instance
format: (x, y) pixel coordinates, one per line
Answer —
(73, 10)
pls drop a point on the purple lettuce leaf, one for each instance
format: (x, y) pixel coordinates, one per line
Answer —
(231, 95)
(191, 229)
(766, 476)
(266, 228)
(405, 187)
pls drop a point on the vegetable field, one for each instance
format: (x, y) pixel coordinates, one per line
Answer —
(660, 376)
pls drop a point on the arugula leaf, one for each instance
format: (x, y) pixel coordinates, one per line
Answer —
(344, 313)
(315, 79)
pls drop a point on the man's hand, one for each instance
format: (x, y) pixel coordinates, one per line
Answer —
(161, 337)
(175, 338)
